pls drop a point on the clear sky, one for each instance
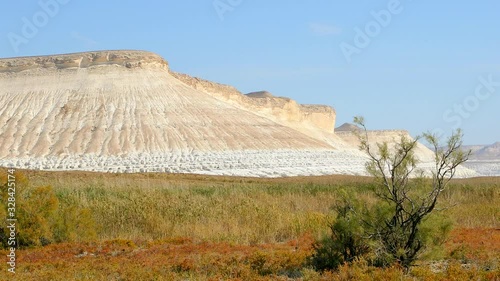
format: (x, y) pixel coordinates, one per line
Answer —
(418, 65)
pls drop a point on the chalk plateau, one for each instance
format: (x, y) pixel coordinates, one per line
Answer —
(126, 111)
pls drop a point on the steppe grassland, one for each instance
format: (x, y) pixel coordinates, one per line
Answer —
(239, 210)
(213, 228)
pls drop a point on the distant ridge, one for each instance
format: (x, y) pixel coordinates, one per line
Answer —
(347, 127)
(487, 152)
(485, 159)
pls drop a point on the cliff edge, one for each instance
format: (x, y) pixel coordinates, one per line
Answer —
(278, 109)
(126, 59)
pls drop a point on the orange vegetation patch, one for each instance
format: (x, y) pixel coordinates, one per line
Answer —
(475, 243)
(172, 258)
(187, 259)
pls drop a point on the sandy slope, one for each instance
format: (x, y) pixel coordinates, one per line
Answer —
(113, 110)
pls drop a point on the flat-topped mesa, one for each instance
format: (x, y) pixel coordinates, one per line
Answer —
(120, 106)
(125, 59)
(280, 109)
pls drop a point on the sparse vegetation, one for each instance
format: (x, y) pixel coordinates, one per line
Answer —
(210, 228)
(399, 227)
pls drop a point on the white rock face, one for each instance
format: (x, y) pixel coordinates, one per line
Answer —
(261, 163)
(123, 111)
(484, 167)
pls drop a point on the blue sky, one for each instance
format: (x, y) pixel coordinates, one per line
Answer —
(428, 65)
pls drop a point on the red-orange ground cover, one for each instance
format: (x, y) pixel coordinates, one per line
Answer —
(178, 258)
(170, 258)
(476, 244)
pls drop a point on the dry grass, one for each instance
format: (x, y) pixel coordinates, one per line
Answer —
(234, 228)
(211, 208)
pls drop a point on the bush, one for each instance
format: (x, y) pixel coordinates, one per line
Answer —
(36, 212)
(355, 235)
(399, 233)
(347, 240)
(43, 219)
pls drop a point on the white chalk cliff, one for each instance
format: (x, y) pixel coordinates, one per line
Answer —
(125, 111)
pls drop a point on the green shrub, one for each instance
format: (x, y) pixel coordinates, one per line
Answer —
(42, 218)
(36, 211)
(347, 240)
(358, 230)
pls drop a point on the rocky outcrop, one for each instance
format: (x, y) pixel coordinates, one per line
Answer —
(321, 116)
(265, 104)
(127, 59)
